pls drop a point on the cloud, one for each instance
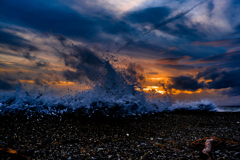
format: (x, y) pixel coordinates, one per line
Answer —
(73, 75)
(149, 15)
(223, 60)
(165, 21)
(38, 82)
(114, 7)
(6, 76)
(186, 83)
(177, 63)
(222, 79)
(5, 85)
(45, 16)
(28, 56)
(142, 47)
(183, 31)
(116, 27)
(153, 73)
(237, 29)
(172, 18)
(122, 6)
(210, 5)
(225, 79)
(232, 91)
(173, 61)
(236, 2)
(182, 67)
(210, 73)
(219, 43)
(42, 64)
(15, 42)
(61, 39)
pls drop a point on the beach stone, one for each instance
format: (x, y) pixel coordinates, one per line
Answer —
(237, 154)
(217, 152)
(100, 149)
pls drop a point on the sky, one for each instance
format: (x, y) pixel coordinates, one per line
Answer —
(187, 49)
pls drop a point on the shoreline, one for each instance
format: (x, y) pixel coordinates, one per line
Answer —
(167, 135)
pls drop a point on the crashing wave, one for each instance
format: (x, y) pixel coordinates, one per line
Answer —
(91, 102)
(114, 94)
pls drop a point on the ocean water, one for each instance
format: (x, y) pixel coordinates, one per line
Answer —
(113, 94)
(228, 108)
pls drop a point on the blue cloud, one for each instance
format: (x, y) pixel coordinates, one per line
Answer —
(45, 16)
(151, 15)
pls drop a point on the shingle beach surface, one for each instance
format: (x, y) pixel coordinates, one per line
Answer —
(152, 136)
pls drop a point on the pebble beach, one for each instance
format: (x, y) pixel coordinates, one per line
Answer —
(169, 135)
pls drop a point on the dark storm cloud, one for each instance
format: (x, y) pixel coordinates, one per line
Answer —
(212, 59)
(223, 60)
(173, 61)
(161, 22)
(232, 91)
(182, 67)
(186, 83)
(46, 16)
(236, 2)
(144, 47)
(15, 42)
(177, 63)
(60, 19)
(150, 15)
(42, 64)
(173, 18)
(210, 5)
(5, 85)
(222, 79)
(210, 73)
(73, 75)
(223, 73)
(10, 39)
(28, 56)
(237, 29)
(198, 52)
(219, 43)
(183, 31)
(115, 26)
(61, 39)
